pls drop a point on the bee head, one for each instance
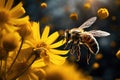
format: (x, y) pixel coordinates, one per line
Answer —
(67, 35)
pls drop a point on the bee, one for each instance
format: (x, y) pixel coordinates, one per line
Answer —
(78, 37)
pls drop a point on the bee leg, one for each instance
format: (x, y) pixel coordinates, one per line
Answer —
(78, 53)
(71, 49)
(66, 45)
(88, 54)
(77, 49)
(88, 57)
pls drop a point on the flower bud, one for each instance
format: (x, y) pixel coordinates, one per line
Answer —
(43, 5)
(87, 6)
(74, 16)
(10, 41)
(103, 13)
(24, 30)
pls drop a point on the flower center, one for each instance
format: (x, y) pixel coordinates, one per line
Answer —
(42, 44)
(43, 49)
(4, 16)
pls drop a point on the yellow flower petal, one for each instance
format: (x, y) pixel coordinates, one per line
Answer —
(2, 3)
(57, 44)
(36, 31)
(33, 76)
(15, 11)
(46, 59)
(9, 28)
(39, 72)
(52, 38)
(38, 63)
(45, 33)
(27, 44)
(9, 4)
(24, 54)
(29, 78)
(24, 77)
(19, 21)
(17, 7)
(56, 59)
(60, 52)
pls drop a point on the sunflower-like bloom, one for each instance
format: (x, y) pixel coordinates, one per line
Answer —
(48, 51)
(11, 16)
(65, 72)
(46, 54)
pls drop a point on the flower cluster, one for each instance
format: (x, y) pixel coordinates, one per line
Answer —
(23, 50)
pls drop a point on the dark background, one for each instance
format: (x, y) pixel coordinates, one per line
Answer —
(57, 16)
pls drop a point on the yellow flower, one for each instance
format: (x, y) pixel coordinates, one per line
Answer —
(10, 41)
(103, 13)
(24, 30)
(11, 16)
(47, 46)
(47, 53)
(65, 72)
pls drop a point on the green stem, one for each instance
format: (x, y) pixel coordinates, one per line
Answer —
(6, 66)
(17, 54)
(33, 54)
(25, 68)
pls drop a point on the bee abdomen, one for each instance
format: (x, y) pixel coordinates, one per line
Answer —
(93, 47)
(91, 43)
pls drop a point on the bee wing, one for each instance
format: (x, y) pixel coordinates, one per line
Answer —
(88, 23)
(99, 33)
